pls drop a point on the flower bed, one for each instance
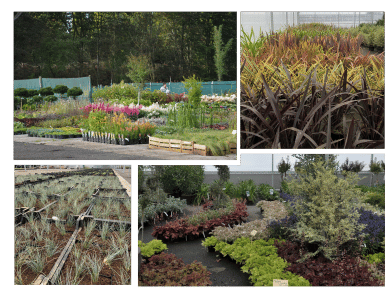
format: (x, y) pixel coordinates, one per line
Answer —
(59, 133)
(201, 223)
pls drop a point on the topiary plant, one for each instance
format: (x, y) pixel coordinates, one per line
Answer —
(46, 91)
(50, 98)
(74, 92)
(61, 89)
(32, 92)
(21, 92)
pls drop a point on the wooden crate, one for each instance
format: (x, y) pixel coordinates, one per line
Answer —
(177, 145)
(181, 146)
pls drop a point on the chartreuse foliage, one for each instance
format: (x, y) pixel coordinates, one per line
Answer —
(376, 258)
(151, 248)
(259, 259)
(326, 198)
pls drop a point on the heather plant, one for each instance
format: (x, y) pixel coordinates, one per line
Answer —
(325, 197)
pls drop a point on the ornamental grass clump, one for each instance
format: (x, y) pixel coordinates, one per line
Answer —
(329, 199)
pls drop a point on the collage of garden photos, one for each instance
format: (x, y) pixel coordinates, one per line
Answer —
(247, 145)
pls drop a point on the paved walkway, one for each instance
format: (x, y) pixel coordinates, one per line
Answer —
(124, 178)
(36, 148)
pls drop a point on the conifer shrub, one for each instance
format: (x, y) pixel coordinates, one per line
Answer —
(326, 198)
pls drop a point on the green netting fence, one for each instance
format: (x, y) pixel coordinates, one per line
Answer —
(84, 83)
(209, 88)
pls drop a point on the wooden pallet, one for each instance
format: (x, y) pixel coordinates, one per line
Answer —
(181, 146)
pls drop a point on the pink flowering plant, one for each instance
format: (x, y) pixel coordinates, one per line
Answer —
(130, 111)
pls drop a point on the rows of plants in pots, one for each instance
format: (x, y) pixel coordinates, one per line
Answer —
(322, 233)
(119, 121)
(31, 178)
(305, 89)
(98, 251)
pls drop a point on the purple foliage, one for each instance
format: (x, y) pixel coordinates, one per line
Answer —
(375, 225)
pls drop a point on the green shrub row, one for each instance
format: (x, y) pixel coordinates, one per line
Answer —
(259, 258)
(47, 91)
(42, 132)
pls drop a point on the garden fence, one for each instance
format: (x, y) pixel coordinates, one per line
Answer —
(275, 177)
(84, 83)
(209, 88)
(274, 21)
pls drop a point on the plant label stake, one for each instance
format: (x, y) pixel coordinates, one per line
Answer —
(271, 191)
(140, 228)
(248, 193)
(203, 234)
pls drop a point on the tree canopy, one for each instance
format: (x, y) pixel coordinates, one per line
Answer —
(78, 44)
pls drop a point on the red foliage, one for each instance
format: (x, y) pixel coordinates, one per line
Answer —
(29, 121)
(215, 126)
(320, 271)
(180, 228)
(167, 270)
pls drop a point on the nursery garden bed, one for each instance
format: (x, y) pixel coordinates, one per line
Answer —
(285, 239)
(65, 241)
(292, 81)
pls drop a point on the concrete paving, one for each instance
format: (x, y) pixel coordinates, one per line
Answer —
(37, 148)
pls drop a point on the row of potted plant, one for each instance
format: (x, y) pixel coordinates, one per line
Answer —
(59, 133)
(114, 128)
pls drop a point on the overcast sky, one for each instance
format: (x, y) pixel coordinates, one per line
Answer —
(263, 162)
